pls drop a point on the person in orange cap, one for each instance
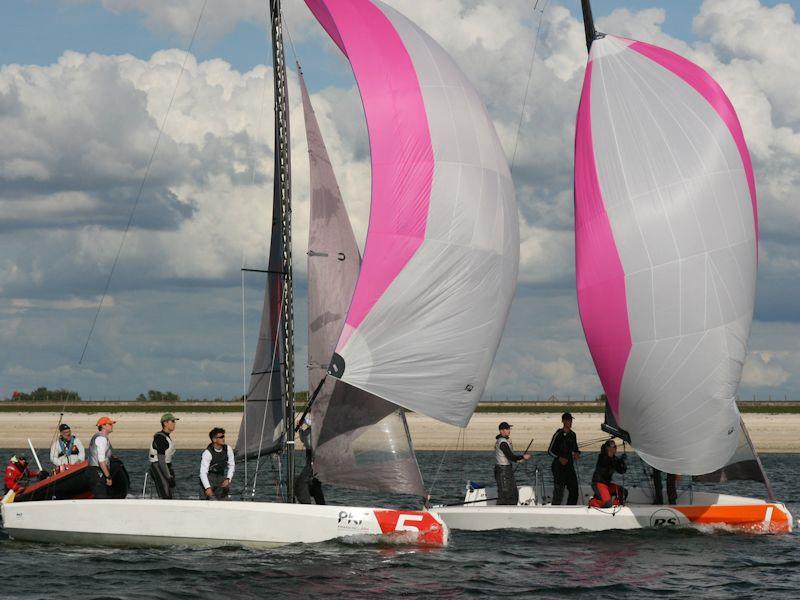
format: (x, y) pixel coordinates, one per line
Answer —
(99, 457)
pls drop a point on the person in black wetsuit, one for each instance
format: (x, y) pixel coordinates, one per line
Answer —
(564, 450)
(604, 488)
(507, 492)
(162, 450)
(672, 488)
(306, 485)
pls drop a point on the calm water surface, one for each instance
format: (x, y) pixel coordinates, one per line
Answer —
(647, 563)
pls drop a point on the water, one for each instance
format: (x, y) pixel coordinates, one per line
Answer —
(645, 563)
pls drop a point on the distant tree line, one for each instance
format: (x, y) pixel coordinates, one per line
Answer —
(158, 396)
(42, 394)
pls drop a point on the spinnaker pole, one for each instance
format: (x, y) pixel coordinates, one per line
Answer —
(283, 191)
(588, 23)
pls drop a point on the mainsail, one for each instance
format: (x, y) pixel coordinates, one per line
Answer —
(262, 427)
(359, 440)
(666, 250)
(271, 387)
(442, 250)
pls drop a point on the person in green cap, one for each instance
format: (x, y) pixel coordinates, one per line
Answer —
(161, 452)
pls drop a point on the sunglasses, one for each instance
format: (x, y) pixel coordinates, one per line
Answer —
(219, 437)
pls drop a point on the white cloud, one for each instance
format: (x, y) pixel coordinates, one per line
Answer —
(759, 373)
(78, 134)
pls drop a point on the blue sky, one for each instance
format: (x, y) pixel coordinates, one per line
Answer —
(39, 31)
(82, 131)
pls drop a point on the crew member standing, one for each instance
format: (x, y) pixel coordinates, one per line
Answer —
(216, 467)
(672, 488)
(507, 492)
(564, 450)
(99, 457)
(161, 452)
(67, 449)
(307, 486)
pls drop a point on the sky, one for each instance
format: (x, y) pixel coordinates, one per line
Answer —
(84, 87)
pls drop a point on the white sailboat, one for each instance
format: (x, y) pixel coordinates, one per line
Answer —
(666, 237)
(424, 322)
(268, 425)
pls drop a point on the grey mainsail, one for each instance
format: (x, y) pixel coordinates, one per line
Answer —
(271, 387)
(359, 440)
(262, 428)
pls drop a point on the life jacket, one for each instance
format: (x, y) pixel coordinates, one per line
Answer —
(68, 449)
(499, 456)
(168, 453)
(13, 474)
(219, 460)
(92, 453)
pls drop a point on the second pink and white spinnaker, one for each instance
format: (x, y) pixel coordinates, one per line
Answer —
(666, 234)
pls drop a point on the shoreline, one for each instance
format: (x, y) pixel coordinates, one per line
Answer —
(769, 432)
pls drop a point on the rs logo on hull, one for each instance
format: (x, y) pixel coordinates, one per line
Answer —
(664, 517)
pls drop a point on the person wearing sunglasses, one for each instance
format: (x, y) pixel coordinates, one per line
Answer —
(606, 492)
(216, 467)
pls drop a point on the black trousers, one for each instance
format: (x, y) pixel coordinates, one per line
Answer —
(672, 488)
(308, 488)
(564, 476)
(97, 483)
(507, 492)
(165, 487)
(220, 493)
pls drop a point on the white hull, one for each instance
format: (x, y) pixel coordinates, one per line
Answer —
(141, 522)
(701, 510)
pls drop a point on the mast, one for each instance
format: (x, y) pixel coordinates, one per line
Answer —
(283, 193)
(588, 23)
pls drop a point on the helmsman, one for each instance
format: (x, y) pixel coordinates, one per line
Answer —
(507, 492)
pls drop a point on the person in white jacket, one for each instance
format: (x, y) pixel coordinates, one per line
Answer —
(67, 449)
(216, 467)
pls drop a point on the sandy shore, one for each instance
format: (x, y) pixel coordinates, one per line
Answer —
(770, 432)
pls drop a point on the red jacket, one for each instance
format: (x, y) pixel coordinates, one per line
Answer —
(14, 473)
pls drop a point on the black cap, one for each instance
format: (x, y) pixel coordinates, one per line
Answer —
(504, 425)
(566, 416)
(63, 427)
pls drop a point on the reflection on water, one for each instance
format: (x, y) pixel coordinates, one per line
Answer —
(647, 563)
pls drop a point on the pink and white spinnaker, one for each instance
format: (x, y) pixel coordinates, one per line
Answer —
(666, 235)
(442, 250)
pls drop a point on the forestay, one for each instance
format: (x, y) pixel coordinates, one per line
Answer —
(666, 250)
(442, 250)
(359, 440)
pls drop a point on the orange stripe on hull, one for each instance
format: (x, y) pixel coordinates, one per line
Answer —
(771, 518)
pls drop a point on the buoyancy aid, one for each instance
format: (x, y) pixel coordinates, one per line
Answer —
(168, 453)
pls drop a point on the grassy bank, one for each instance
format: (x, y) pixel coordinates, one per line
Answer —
(765, 407)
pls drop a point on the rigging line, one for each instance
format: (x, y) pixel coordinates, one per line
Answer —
(291, 40)
(261, 108)
(60, 419)
(444, 454)
(269, 394)
(144, 181)
(252, 151)
(244, 376)
(530, 77)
